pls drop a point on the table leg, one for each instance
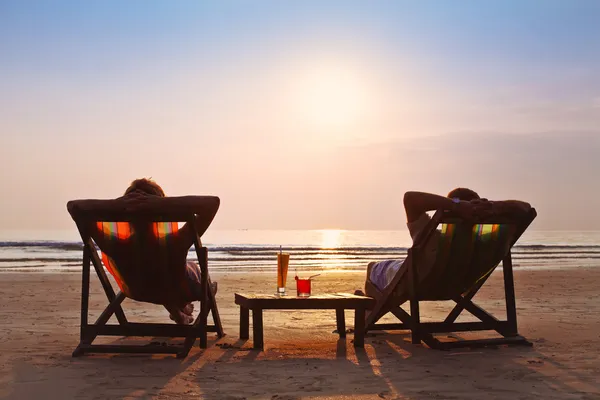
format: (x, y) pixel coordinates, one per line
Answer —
(257, 328)
(244, 323)
(359, 327)
(341, 322)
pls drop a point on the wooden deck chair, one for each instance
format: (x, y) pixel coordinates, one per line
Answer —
(138, 228)
(467, 255)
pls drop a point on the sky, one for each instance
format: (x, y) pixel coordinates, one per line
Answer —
(300, 114)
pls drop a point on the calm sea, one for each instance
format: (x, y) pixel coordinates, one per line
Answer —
(311, 250)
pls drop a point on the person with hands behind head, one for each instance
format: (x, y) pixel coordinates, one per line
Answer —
(182, 240)
(464, 202)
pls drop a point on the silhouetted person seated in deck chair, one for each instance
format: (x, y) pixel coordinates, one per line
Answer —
(180, 240)
(464, 202)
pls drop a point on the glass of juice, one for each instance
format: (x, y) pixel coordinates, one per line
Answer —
(283, 261)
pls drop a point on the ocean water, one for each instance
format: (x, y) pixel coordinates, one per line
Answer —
(310, 250)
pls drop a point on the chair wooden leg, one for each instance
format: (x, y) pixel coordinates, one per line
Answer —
(460, 302)
(374, 315)
(187, 346)
(111, 309)
(78, 352)
(509, 293)
(203, 320)
(215, 311)
(191, 338)
(104, 317)
(85, 294)
(108, 290)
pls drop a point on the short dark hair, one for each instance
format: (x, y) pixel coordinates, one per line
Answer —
(463, 194)
(147, 186)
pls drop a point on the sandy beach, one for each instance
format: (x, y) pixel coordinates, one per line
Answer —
(558, 311)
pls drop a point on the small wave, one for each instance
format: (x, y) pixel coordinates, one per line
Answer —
(67, 255)
(63, 245)
(575, 251)
(557, 246)
(39, 259)
(550, 257)
(275, 249)
(45, 244)
(303, 259)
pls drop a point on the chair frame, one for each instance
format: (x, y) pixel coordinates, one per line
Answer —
(90, 331)
(423, 331)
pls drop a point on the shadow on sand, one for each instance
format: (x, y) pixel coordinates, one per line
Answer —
(388, 367)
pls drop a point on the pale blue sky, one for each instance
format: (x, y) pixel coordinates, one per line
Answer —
(289, 110)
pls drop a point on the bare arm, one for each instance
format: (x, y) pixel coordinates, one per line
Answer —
(204, 216)
(418, 203)
(510, 206)
(186, 233)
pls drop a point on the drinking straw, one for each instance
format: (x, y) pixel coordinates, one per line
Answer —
(312, 276)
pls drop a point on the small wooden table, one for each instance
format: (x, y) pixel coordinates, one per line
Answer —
(337, 301)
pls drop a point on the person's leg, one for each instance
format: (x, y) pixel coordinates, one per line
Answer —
(188, 309)
(184, 314)
(176, 314)
(193, 276)
(368, 288)
(379, 275)
(366, 291)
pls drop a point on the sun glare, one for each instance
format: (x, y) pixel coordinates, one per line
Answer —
(330, 238)
(331, 99)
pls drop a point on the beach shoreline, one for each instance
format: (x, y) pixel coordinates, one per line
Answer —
(310, 250)
(557, 311)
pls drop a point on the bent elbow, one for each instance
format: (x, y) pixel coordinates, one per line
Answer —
(408, 198)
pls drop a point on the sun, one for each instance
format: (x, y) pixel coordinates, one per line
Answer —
(331, 98)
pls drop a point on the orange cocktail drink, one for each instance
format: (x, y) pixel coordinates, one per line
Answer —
(283, 261)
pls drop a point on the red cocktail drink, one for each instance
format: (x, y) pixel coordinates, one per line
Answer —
(302, 287)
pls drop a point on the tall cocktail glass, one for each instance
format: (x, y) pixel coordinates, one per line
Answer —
(283, 261)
